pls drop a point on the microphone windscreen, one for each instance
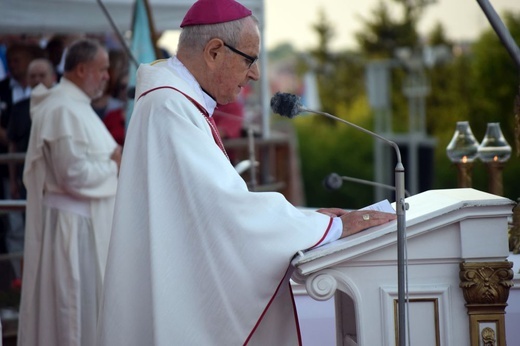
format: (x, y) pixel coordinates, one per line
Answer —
(332, 181)
(287, 105)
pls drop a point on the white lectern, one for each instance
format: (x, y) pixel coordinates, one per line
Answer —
(458, 278)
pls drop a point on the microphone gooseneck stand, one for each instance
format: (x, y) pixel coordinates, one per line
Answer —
(360, 181)
(401, 208)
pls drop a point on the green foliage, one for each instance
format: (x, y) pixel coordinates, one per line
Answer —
(495, 83)
(495, 80)
(479, 87)
(325, 34)
(438, 36)
(478, 84)
(331, 147)
(383, 34)
(341, 85)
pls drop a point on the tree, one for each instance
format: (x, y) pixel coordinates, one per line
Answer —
(495, 81)
(339, 75)
(323, 141)
(478, 85)
(495, 77)
(383, 34)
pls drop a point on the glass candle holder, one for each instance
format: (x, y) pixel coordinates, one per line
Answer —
(463, 147)
(494, 147)
(462, 150)
(494, 151)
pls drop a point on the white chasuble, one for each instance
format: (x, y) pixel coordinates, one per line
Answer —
(195, 258)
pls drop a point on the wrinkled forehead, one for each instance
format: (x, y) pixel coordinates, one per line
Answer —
(250, 35)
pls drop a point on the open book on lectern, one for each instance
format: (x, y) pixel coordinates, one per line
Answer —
(383, 206)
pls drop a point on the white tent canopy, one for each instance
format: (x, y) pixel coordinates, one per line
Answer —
(87, 16)
(73, 16)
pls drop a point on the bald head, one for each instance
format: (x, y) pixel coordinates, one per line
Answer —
(41, 71)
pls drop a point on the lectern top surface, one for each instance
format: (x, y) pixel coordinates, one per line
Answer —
(433, 206)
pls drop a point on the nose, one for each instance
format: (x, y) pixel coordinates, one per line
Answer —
(254, 72)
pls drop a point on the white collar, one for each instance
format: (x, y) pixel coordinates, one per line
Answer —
(209, 103)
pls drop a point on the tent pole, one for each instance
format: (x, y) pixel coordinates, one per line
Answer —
(118, 34)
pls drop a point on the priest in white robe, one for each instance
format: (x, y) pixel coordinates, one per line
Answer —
(70, 173)
(195, 258)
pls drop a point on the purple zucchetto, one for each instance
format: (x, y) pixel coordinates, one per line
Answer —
(214, 11)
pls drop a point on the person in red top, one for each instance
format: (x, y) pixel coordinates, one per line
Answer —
(111, 106)
(229, 119)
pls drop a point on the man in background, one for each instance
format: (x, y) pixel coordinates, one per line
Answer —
(70, 174)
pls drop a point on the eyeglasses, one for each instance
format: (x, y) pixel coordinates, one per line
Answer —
(250, 60)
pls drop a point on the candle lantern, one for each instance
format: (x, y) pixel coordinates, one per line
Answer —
(462, 151)
(494, 151)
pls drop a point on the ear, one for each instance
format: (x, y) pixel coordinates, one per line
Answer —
(81, 70)
(213, 52)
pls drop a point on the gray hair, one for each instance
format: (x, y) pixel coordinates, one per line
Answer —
(195, 37)
(81, 51)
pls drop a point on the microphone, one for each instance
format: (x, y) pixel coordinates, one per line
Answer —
(334, 181)
(289, 105)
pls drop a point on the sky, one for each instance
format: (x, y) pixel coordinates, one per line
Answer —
(291, 20)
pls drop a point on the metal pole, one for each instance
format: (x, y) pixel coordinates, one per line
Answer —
(401, 208)
(401, 248)
(501, 30)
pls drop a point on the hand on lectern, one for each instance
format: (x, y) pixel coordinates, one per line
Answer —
(358, 220)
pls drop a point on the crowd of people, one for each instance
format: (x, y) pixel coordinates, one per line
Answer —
(71, 168)
(160, 243)
(26, 62)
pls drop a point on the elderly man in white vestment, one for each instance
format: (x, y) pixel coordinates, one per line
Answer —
(70, 173)
(195, 258)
